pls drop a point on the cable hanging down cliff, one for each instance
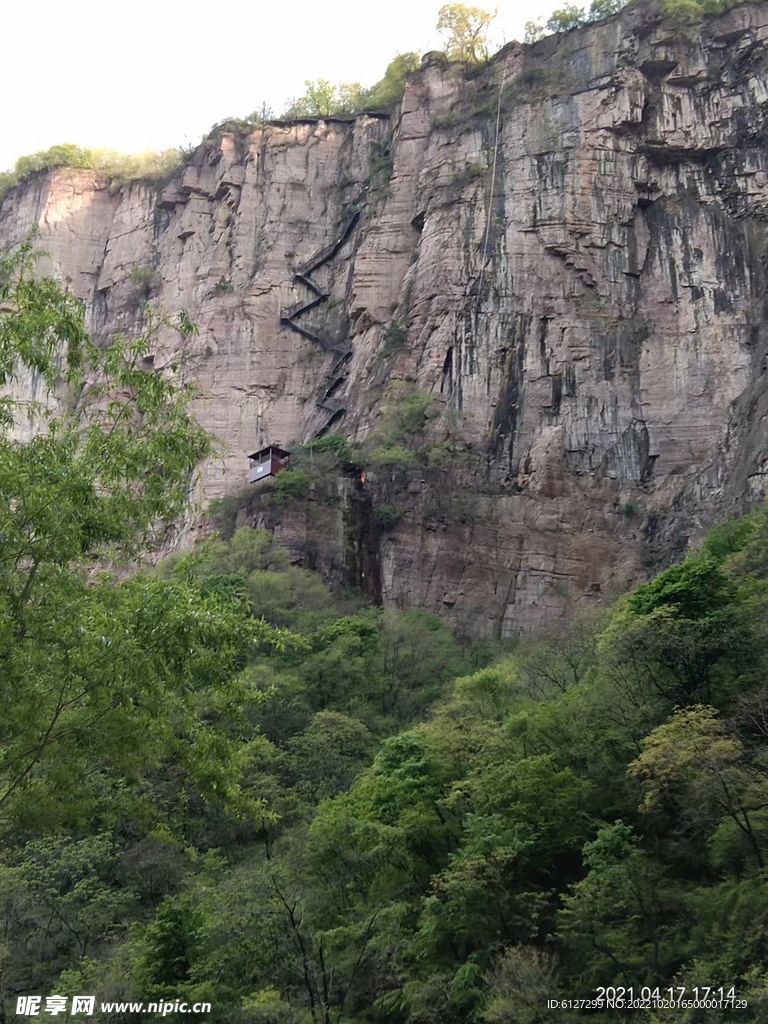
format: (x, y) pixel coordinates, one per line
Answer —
(493, 186)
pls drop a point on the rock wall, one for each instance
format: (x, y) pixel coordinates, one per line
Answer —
(583, 293)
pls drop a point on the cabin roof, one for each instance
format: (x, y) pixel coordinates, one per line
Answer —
(278, 452)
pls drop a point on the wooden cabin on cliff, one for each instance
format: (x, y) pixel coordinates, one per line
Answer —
(267, 462)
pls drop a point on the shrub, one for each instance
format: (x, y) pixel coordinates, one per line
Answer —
(408, 410)
(388, 92)
(440, 453)
(688, 12)
(229, 586)
(534, 75)
(392, 455)
(534, 82)
(223, 511)
(151, 167)
(66, 154)
(446, 120)
(382, 163)
(289, 485)
(336, 444)
(469, 173)
(395, 337)
(7, 181)
(605, 8)
(387, 516)
(399, 435)
(143, 279)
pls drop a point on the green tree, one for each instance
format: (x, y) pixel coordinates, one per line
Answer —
(565, 18)
(533, 32)
(688, 12)
(600, 9)
(169, 946)
(522, 982)
(685, 634)
(148, 166)
(329, 754)
(693, 768)
(496, 886)
(60, 901)
(420, 655)
(343, 672)
(66, 154)
(101, 677)
(320, 100)
(388, 92)
(623, 919)
(465, 30)
(323, 98)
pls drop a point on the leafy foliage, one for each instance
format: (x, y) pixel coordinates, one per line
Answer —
(221, 779)
(290, 483)
(546, 824)
(401, 426)
(321, 99)
(325, 99)
(152, 167)
(388, 92)
(516, 842)
(678, 13)
(687, 12)
(86, 491)
(387, 516)
(143, 279)
(465, 30)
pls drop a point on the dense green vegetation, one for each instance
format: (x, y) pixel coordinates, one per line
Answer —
(323, 98)
(677, 12)
(590, 810)
(222, 781)
(121, 166)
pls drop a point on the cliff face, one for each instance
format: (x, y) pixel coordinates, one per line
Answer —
(588, 297)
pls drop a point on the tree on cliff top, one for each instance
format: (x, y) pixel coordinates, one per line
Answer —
(123, 167)
(323, 99)
(320, 100)
(388, 92)
(678, 13)
(465, 30)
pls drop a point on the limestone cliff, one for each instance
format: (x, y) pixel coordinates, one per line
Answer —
(588, 295)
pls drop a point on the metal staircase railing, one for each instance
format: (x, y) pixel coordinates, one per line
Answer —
(289, 315)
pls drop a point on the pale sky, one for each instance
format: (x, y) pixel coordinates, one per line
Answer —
(153, 74)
